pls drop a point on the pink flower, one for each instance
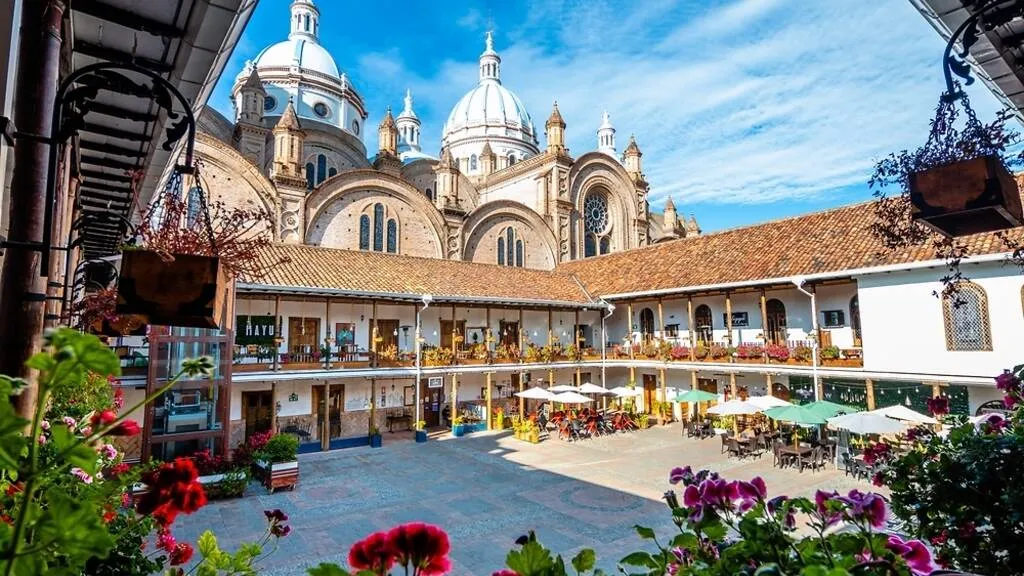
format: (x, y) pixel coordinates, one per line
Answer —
(108, 451)
(915, 553)
(677, 475)
(86, 431)
(42, 439)
(870, 508)
(821, 500)
(118, 399)
(165, 540)
(691, 496)
(505, 572)
(1007, 381)
(45, 424)
(938, 406)
(81, 475)
(753, 490)
(69, 422)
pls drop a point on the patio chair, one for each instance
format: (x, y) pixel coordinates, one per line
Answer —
(732, 447)
(848, 465)
(725, 444)
(814, 461)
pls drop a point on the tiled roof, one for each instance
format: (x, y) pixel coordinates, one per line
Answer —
(352, 271)
(821, 242)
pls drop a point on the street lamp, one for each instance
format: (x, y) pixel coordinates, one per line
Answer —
(798, 281)
(427, 299)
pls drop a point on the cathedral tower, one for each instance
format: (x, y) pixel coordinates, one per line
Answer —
(555, 127)
(408, 125)
(289, 175)
(669, 228)
(606, 136)
(631, 159)
(250, 136)
(387, 146)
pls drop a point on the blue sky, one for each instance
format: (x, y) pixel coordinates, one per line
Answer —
(746, 110)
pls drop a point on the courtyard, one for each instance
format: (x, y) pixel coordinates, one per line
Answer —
(485, 491)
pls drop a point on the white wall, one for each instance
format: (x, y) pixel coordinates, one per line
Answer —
(903, 327)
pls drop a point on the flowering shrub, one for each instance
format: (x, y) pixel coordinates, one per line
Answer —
(965, 493)
(717, 351)
(749, 351)
(506, 352)
(802, 353)
(777, 352)
(680, 353)
(830, 353)
(700, 352)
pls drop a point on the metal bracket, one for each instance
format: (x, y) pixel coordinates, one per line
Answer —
(7, 130)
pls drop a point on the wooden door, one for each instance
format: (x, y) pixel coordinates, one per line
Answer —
(446, 333)
(776, 321)
(650, 393)
(508, 333)
(256, 411)
(388, 330)
(303, 338)
(431, 404)
(319, 406)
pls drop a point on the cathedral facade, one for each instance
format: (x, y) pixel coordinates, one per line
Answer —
(493, 193)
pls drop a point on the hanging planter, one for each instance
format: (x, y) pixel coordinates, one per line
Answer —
(173, 290)
(966, 197)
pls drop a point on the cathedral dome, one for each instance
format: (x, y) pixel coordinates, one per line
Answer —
(300, 52)
(489, 114)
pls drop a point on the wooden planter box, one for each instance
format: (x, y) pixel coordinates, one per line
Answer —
(967, 197)
(750, 360)
(843, 362)
(722, 360)
(591, 357)
(279, 475)
(473, 361)
(189, 291)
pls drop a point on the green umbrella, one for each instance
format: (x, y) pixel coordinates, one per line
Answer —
(829, 409)
(696, 396)
(796, 415)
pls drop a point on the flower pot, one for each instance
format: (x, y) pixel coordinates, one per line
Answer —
(376, 440)
(535, 436)
(279, 474)
(966, 197)
(190, 291)
(458, 430)
(421, 436)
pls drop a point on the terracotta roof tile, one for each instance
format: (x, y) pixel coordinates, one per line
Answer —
(358, 271)
(822, 242)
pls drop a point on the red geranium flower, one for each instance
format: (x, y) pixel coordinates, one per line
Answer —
(181, 554)
(126, 428)
(505, 572)
(173, 488)
(423, 546)
(104, 418)
(372, 553)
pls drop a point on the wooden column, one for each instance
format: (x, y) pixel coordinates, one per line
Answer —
(279, 334)
(764, 317)
(728, 319)
(936, 389)
(661, 320)
(325, 428)
(689, 325)
(373, 405)
(629, 328)
(454, 400)
(487, 336)
(734, 396)
(327, 335)
(374, 333)
(551, 372)
(455, 330)
(521, 332)
(576, 335)
(522, 385)
(579, 377)
(693, 386)
(769, 389)
(490, 424)
(273, 406)
(869, 387)
(664, 385)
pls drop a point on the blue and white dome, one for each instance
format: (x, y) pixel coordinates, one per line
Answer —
(489, 114)
(298, 52)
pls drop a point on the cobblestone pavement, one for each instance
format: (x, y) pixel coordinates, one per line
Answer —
(485, 490)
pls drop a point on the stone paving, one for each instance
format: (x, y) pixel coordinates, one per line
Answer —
(485, 490)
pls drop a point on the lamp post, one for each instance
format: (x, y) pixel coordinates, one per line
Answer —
(427, 299)
(798, 281)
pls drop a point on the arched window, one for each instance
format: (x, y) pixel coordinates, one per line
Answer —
(589, 245)
(510, 248)
(596, 224)
(501, 250)
(364, 232)
(519, 253)
(321, 168)
(392, 236)
(510, 244)
(332, 173)
(606, 245)
(965, 315)
(702, 323)
(310, 176)
(646, 323)
(306, 21)
(472, 163)
(195, 204)
(430, 194)
(378, 227)
(511, 159)
(775, 322)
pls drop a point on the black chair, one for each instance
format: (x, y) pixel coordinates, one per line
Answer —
(815, 460)
(725, 444)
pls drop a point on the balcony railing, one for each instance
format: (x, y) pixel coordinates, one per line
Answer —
(793, 353)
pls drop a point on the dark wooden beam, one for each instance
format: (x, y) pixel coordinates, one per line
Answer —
(119, 112)
(126, 18)
(102, 130)
(115, 55)
(106, 176)
(108, 162)
(111, 149)
(104, 194)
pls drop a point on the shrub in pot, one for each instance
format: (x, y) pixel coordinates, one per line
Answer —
(376, 440)
(421, 432)
(458, 426)
(278, 460)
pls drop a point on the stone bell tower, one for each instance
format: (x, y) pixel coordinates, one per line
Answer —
(288, 174)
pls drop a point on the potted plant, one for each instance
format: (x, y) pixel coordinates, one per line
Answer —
(376, 440)
(532, 354)
(499, 419)
(750, 353)
(643, 421)
(421, 431)
(680, 353)
(278, 462)
(458, 426)
(533, 434)
(778, 353)
(718, 352)
(802, 354)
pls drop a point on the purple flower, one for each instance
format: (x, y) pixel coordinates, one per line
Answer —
(915, 553)
(753, 490)
(1010, 401)
(870, 508)
(821, 500)
(1007, 381)
(683, 555)
(678, 475)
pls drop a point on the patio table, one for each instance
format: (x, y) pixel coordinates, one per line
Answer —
(802, 451)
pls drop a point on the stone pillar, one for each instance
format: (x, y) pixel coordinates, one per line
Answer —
(664, 386)
(769, 388)
(373, 406)
(661, 320)
(629, 329)
(728, 320)
(522, 401)
(490, 424)
(689, 325)
(735, 396)
(869, 387)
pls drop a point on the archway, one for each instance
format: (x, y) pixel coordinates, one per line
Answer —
(702, 323)
(776, 322)
(646, 324)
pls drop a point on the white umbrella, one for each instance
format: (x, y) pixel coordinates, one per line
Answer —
(866, 423)
(589, 388)
(733, 408)
(901, 412)
(624, 392)
(571, 398)
(766, 402)
(563, 388)
(535, 393)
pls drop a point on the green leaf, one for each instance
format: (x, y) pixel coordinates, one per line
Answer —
(530, 560)
(202, 366)
(639, 559)
(328, 569)
(207, 543)
(644, 532)
(685, 541)
(584, 561)
(715, 531)
(80, 454)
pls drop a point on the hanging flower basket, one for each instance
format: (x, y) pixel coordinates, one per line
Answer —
(967, 197)
(176, 290)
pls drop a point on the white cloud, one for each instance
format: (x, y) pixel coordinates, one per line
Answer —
(472, 19)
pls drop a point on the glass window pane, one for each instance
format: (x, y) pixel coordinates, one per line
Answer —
(519, 253)
(364, 232)
(501, 250)
(310, 176)
(589, 245)
(606, 245)
(378, 228)
(510, 245)
(332, 173)
(392, 236)
(321, 168)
